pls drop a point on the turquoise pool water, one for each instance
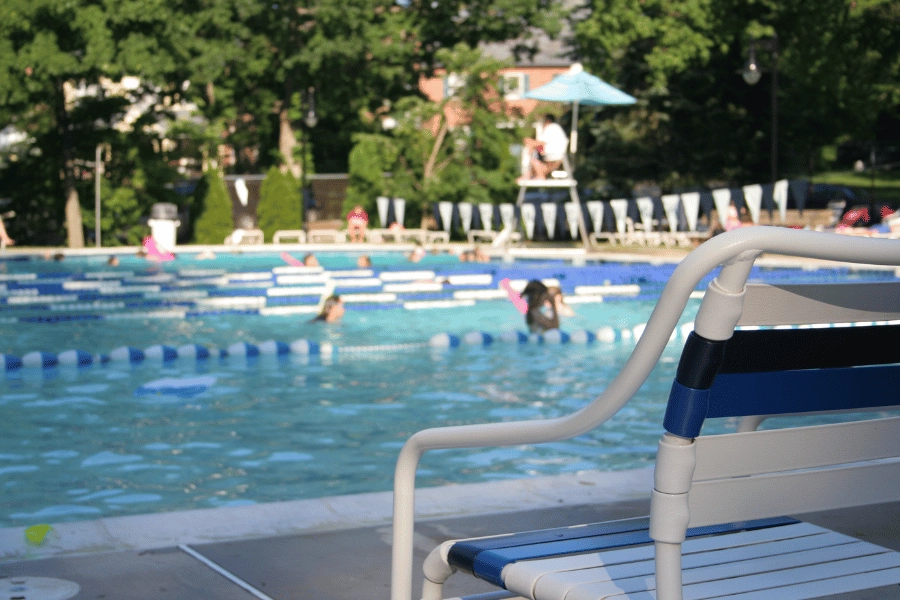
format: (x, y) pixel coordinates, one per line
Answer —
(127, 439)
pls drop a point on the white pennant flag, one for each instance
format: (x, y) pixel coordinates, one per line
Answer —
(446, 211)
(620, 212)
(722, 198)
(508, 216)
(548, 211)
(465, 215)
(645, 208)
(780, 197)
(528, 215)
(691, 203)
(753, 200)
(573, 212)
(383, 204)
(595, 210)
(670, 206)
(486, 211)
(399, 210)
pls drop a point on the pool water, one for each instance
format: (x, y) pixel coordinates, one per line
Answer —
(129, 439)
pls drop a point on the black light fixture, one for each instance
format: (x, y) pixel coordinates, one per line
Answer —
(752, 73)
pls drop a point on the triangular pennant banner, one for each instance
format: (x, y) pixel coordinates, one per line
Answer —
(465, 215)
(399, 210)
(645, 208)
(691, 203)
(508, 216)
(620, 212)
(670, 206)
(780, 197)
(722, 198)
(753, 198)
(573, 212)
(486, 212)
(446, 210)
(595, 211)
(528, 215)
(383, 204)
(548, 211)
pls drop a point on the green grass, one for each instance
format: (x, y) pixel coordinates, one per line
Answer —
(887, 183)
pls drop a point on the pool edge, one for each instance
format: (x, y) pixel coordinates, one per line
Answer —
(332, 513)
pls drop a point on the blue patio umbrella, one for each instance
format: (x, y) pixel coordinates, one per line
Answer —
(579, 87)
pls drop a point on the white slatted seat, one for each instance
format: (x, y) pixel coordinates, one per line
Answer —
(289, 234)
(716, 527)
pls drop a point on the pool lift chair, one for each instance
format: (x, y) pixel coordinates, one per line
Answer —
(716, 524)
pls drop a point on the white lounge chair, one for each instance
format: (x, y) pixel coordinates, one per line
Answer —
(289, 234)
(715, 526)
(244, 237)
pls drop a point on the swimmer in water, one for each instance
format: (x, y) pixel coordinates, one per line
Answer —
(331, 312)
(541, 314)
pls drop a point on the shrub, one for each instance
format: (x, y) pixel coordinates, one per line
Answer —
(215, 222)
(280, 203)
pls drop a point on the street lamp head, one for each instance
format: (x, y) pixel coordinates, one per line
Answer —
(311, 119)
(751, 72)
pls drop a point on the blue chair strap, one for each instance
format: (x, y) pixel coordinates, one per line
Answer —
(487, 561)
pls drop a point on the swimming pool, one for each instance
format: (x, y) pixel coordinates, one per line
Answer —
(156, 436)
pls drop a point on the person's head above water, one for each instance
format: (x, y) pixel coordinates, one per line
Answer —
(332, 310)
(535, 293)
(310, 260)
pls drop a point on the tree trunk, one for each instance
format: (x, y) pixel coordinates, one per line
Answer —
(74, 223)
(287, 141)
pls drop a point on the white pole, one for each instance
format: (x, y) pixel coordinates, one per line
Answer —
(573, 136)
(98, 170)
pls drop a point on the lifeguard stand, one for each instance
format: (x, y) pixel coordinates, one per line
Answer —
(567, 182)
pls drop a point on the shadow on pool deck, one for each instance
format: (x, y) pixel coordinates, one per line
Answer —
(354, 563)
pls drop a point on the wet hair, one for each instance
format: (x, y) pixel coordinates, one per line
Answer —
(535, 293)
(330, 302)
(549, 117)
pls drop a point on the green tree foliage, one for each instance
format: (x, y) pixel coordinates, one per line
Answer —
(59, 64)
(455, 149)
(215, 222)
(697, 120)
(280, 203)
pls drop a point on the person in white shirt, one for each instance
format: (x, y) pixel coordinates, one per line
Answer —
(547, 150)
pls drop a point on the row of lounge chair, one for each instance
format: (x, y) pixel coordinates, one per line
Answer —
(717, 525)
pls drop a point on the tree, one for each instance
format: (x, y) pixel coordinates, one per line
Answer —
(61, 70)
(215, 222)
(696, 120)
(452, 150)
(280, 203)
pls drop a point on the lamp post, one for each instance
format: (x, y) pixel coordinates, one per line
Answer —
(309, 120)
(752, 74)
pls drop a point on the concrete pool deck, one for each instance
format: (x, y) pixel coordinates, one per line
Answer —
(339, 547)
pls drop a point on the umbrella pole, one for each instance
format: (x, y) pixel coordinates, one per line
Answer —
(573, 192)
(573, 135)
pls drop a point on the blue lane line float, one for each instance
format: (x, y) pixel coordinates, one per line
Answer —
(444, 340)
(75, 358)
(478, 338)
(304, 347)
(193, 351)
(242, 349)
(160, 352)
(126, 354)
(39, 360)
(10, 362)
(274, 348)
